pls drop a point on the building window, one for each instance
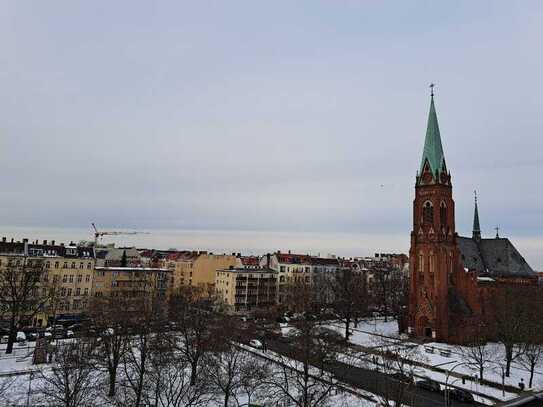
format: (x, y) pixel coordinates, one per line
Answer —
(78, 292)
(421, 263)
(443, 214)
(87, 278)
(71, 278)
(65, 265)
(56, 264)
(73, 264)
(81, 265)
(63, 292)
(65, 278)
(79, 278)
(428, 213)
(86, 292)
(47, 264)
(69, 293)
(89, 265)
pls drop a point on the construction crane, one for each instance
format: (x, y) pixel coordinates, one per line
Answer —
(100, 234)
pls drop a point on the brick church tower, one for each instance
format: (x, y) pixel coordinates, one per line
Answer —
(434, 254)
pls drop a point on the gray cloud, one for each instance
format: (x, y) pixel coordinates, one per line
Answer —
(276, 117)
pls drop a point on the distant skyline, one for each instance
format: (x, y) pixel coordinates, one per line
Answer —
(284, 117)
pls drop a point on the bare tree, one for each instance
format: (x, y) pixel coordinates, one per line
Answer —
(170, 374)
(253, 378)
(195, 326)
(532, 352)
(398, 367)
(477, 353)
(224, 372)
(146, 316)
(300, 377)
(20, 296)
(72, 380)
(350, 296)
(110, 316)
(389, 289)
(513, 312)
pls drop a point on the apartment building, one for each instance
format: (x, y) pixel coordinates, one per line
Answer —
(247, 288)
(111, 256)
(198, 269)
(297, 269)
(65, 280)
(131, 282)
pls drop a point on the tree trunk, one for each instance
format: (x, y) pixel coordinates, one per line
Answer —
(481, 372)
(347, 324)
(193, 373)
(508, 358)
(112, 382)
(12, 335)
(532, 370)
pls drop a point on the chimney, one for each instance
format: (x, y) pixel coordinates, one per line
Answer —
(289, 252)
(25, 240)
(4, 239)
(52, 242)
(11, 240)
(268, 260)
(45, 242)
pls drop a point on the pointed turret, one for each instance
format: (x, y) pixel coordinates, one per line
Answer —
(476, 226)
(433, 159)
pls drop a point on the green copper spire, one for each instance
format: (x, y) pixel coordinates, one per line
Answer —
(476, 227)
(433, 150)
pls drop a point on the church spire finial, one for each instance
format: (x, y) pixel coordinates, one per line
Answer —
(476, 226)
(432, 89)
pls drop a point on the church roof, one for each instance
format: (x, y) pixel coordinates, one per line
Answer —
(433, 149)
(495, 257)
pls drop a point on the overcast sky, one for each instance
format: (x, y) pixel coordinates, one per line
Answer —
(304, 116)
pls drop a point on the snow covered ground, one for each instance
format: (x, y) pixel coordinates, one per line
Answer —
(23, 381)
(368, 333)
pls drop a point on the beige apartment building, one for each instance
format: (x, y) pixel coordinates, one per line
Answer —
(246, 289)
(66, 276)
(197, 269)
(131, 282)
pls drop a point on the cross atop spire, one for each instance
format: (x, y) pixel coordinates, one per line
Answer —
(476, 226)
(432, 89)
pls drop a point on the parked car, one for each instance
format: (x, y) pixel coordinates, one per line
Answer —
(4, 339)
(69, 334)
(429, 385)
(402, 378)
(463, 396)
(32, 332)
(255, 343)
(21, 337)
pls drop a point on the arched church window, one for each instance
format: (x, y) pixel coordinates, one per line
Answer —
(428, 213)
(443, 214)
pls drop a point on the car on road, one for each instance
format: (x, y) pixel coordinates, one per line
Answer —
(429, 385)
(4, 339)
(255, 343)
(402, 378)
(461, 395)
(21, 337)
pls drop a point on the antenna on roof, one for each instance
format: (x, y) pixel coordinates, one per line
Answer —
(497, 229)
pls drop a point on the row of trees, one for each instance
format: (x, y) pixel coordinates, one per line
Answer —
(177, 352)
(516, 326)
